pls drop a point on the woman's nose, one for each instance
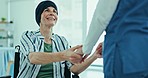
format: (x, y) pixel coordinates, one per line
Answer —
(51, 13)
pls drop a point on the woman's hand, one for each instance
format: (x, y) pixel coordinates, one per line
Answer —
(98, 52)
(72, 56)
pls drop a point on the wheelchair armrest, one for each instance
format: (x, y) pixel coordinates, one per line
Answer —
(6, 76)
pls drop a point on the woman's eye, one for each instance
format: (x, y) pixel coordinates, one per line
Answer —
(54, 11)
(46, 9)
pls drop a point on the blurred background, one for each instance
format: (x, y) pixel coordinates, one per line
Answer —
(17, 16)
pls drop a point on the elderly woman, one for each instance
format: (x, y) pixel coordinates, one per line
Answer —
(43, 53)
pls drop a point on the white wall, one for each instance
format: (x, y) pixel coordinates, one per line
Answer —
(3, 14)
(3, 9)
(22, 13)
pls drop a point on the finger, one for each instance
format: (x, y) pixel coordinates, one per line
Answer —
(79, 51)
(100, 45)
(99, 56)
(100, 50)
(84, 58)
(74, 61)
(75, 55)
(76, 47)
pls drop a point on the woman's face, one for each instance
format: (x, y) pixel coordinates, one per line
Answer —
(49, 17)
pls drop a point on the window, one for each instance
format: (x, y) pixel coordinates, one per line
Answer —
(70, 20)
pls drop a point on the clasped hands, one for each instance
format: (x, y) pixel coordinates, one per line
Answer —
(76, 55)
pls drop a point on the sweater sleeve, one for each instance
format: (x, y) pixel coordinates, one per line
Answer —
(101, 18)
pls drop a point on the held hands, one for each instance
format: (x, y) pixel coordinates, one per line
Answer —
(80, 52)
(72, 56)
(75, 54)
(96, 54)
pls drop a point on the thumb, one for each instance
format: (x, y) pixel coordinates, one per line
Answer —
(76, 47)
